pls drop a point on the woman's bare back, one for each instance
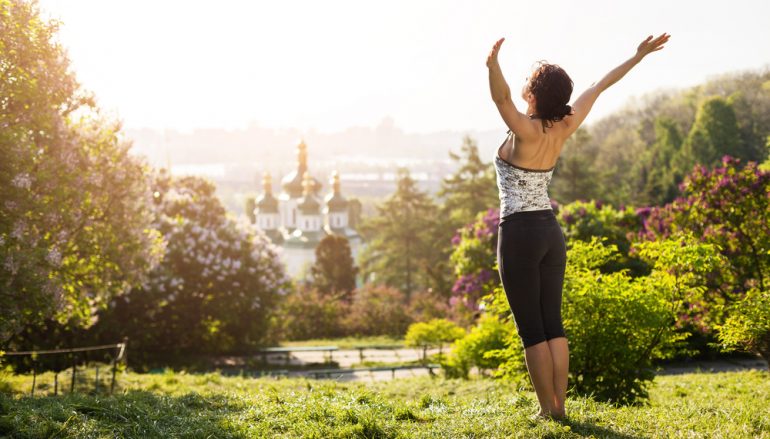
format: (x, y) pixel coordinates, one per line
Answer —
(539, 153)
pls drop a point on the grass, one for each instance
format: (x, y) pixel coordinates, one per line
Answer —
(379, 341)
(728, 404)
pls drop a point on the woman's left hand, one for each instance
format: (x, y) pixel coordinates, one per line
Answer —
(492, 58)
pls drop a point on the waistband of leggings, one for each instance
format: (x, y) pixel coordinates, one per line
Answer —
(542, 214)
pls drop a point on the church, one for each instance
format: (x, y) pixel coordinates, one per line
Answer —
(298, 218)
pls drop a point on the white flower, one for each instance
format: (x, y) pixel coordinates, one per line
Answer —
(18, 230)
(22, 181)
(54, 256)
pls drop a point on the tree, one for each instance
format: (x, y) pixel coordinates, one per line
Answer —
(575, 177)
(75, 228)
(471, 189)
(333, 272)
(399, 248)
(713, 135)
(660, 176)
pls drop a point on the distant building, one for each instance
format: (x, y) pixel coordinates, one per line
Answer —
(298, 219)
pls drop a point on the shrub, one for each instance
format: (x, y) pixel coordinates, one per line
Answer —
(308, 313)
(426, 305)
(378, 310)
(481, 347)
(748, 324)
(584, 220)
(433, 334)
(618, 325)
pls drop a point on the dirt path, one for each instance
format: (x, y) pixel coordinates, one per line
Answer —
(347, 359)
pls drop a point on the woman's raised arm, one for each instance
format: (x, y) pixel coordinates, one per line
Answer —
(501, 94)
(583, 104)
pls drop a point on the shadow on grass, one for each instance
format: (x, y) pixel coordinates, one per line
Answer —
(588, 429)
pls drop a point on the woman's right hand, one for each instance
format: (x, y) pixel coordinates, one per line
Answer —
(649, 45)
(492, 57)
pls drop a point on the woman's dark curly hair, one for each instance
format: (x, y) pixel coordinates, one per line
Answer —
(552, 88)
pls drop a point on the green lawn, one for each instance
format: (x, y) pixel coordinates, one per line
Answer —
(729, 405)
(350, 342)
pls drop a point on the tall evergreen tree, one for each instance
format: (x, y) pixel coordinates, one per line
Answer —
(660, 175)
(713, 135)
(333, 272)
(471, 189)
(399, 246)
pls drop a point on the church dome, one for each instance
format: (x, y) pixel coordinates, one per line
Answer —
(308, 204)
(267, 203)
(292, 183)
(335, 202)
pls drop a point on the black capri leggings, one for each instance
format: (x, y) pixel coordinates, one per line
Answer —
(531, 258)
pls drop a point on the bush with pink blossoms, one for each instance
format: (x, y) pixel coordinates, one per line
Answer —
(728, 206)
(474, 260)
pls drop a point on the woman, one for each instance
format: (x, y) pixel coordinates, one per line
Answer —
(531, 252)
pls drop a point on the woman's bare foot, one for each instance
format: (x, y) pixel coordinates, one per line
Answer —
(543, 415)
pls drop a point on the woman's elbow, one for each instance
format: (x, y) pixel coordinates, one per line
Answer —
(502, 100)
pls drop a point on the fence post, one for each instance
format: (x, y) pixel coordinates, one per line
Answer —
(114, 368)
(74, 372)
(34, 378)
(55, 383)
(96, 382)
(121, 355)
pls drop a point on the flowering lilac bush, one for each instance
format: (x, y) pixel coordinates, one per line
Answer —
(728, 206)
(75, 213)
(217, 286)
(474, 259)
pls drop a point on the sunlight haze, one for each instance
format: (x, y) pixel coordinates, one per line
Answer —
(336, 64)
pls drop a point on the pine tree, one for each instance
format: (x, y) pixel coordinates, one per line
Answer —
(333, 272)
(471, 189)
(575, 177)
(399, 247)
(713, 135)
(661, 176)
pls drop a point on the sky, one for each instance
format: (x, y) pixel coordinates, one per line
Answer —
(329, 65)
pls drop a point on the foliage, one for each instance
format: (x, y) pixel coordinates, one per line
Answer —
(584, 220)
(310, 313)
(481, 346)
(576, 176)
(713, 134)
(434, 333)
(661, 166)
(748, 324)
(617, 325)
(727, 206)
(474, 258)
(211, 405)
(426, 305)
(399, 249)
(216, 289)
(378, 310)
(74, 227)
(333, 271)
(470, 189)
(630, 148)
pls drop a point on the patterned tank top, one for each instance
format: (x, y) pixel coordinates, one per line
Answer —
(521, 189)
